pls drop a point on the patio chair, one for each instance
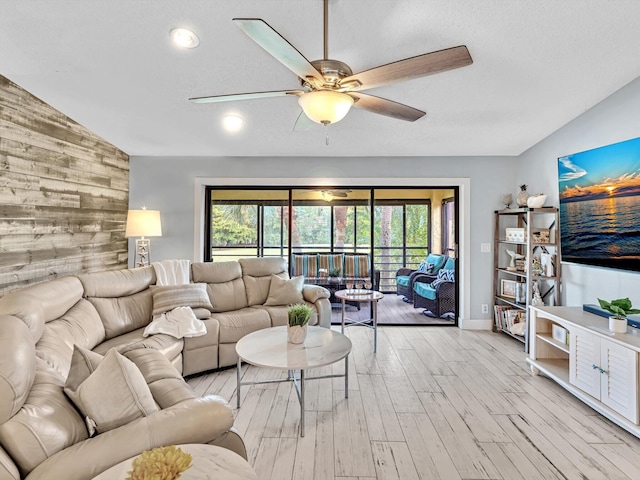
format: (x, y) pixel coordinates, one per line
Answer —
(438, 296)
(405, 277)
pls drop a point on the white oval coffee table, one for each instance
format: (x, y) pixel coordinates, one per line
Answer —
(269, 348)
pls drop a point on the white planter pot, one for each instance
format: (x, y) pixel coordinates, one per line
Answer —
(618, 325)
(297, 334)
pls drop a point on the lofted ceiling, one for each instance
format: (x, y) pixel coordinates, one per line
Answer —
(110, 65)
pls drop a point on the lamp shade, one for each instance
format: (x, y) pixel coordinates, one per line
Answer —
(325, 106)
(143, 223)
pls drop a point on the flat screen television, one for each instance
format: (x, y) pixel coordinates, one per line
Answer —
(600, 206)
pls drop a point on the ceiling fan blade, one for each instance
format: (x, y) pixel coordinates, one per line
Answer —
(303, 123)
(386, 107)
(245, 96)
(414, 67)
(338, 193)
(278, 46)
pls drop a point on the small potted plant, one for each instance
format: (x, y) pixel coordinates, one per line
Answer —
(299, 315)
(334, 275)
(620, 308)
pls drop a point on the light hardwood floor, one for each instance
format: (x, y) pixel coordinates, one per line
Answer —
(393, 311)
(433, 403)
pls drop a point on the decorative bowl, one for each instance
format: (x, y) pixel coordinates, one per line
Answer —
(536, 201)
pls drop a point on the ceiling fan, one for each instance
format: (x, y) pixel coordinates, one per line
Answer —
(330, 88)
(329, 194)
(338, 192)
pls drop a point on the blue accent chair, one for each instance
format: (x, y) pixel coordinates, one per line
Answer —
(436, 295)
(405, 277)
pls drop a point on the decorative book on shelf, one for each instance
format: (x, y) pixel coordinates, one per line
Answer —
(506, 317)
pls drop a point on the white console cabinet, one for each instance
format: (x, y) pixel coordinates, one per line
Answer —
(605, 370)
(596, 365)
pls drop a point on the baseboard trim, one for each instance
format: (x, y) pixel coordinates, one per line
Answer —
(480, 324)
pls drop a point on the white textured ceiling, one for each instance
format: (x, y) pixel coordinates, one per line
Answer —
(109, 65)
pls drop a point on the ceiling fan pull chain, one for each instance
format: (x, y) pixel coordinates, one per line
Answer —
(327, 138)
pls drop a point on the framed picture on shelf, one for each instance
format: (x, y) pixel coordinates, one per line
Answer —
(515, 235)
(508, 288)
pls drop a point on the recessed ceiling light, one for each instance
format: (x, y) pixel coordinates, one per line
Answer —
(232, 123)
(184, 38)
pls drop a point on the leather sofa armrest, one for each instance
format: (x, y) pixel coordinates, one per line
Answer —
(201, 313)
(312, 293)
(166, 384)
(201, 420)
(8, 469)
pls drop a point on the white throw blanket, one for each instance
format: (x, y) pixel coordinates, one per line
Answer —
(179, 322)
(172, 272)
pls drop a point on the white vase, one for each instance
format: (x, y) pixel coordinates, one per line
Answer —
(297, 333)
(618, 325)
(536, 201)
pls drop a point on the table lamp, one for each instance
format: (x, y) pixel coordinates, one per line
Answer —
(143, 223)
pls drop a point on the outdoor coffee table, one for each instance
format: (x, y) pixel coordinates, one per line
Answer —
(269, 348)
(358, 295)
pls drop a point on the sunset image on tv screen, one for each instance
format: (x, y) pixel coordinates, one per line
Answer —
(600, 206)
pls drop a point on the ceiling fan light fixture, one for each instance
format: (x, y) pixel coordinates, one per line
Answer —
(232, 123)
(326, 196)
(325, 106)
(184, 37)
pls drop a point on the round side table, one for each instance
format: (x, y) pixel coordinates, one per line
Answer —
(361, 296)
(209, 461)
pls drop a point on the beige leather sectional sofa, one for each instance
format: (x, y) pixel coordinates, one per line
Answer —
(44, 436)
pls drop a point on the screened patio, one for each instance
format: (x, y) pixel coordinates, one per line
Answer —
(394, 227)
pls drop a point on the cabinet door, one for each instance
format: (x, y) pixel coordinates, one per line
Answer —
(584, 362)
(619, 387)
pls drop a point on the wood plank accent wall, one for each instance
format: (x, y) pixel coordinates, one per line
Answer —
(64, 194)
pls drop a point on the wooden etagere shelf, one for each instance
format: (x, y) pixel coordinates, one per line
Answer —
(532, 235)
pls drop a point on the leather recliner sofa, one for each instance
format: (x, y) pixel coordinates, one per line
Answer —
(43, 435)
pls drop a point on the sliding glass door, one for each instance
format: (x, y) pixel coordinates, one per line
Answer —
(397, 227)
(246, 223)
(331, 220)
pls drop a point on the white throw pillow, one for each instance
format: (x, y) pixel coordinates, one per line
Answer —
(285, 292)
(113, 395)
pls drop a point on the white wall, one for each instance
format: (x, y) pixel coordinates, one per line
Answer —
(168, 184)
(615, 119)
